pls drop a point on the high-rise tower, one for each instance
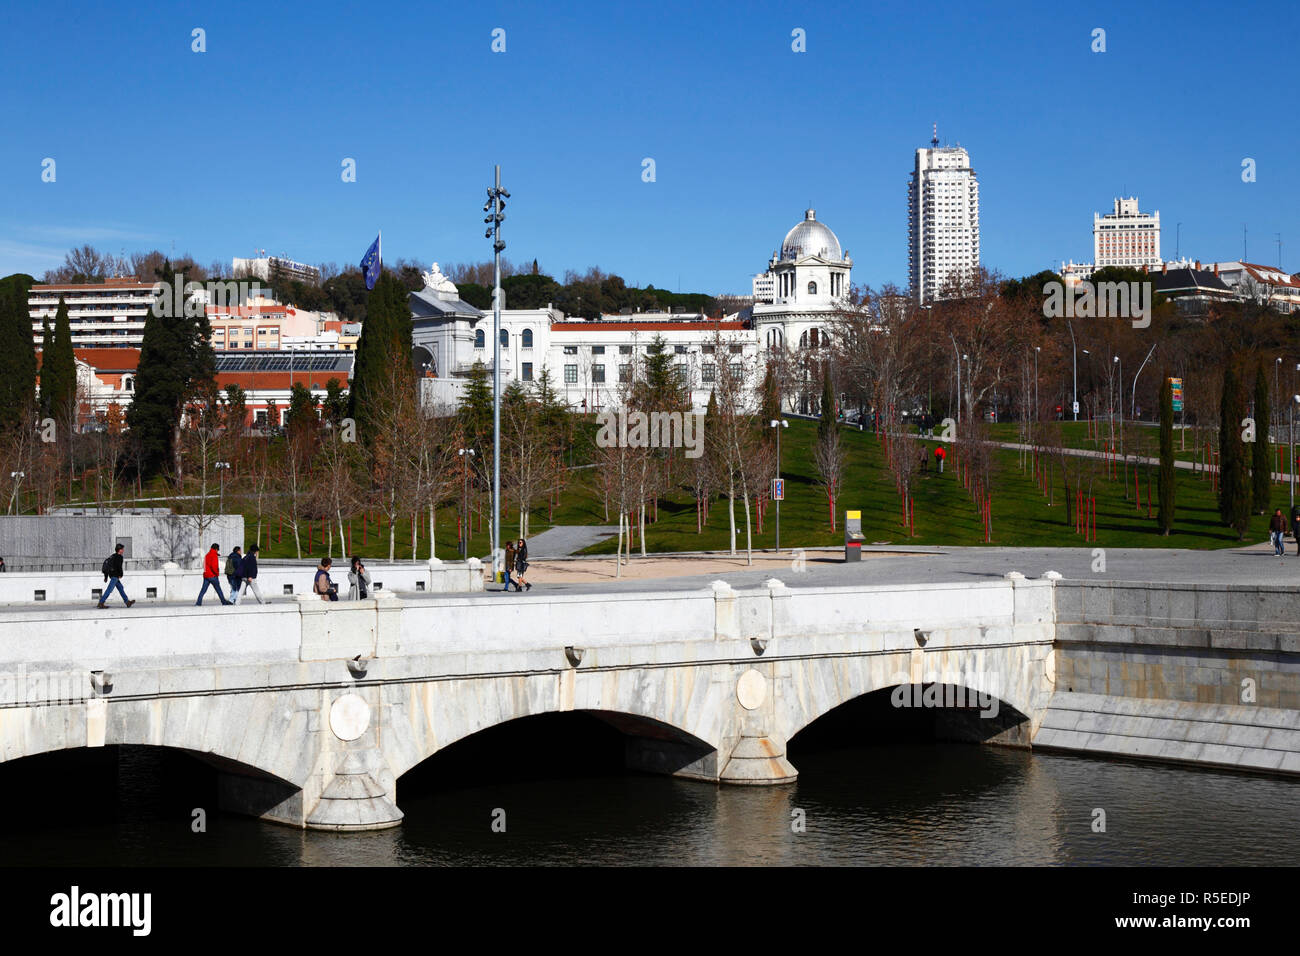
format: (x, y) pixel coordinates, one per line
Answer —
(943, 205)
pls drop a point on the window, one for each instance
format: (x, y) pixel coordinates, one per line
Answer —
(527, 371)
(707, 349)
(505, 339)
(598, 374)
(570, 375)
(736, 372)
(679, 370)
(812, 288)
(708, 373)
(527, 336)
(259, 419)
(735, 349)
(570, 350)
(625, 373)
(479, 339)
(679, 349)
(598, 350)
(625, 350)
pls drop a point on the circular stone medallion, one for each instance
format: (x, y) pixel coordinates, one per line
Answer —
(349, 717)
(751, 689)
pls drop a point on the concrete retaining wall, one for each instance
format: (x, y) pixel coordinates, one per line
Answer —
(67, 542)
(1192, 672)
(176, 584)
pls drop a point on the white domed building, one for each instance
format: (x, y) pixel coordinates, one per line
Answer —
(809, 278)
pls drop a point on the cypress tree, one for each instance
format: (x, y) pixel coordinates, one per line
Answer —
(385, 344)
(1234, 488)
(176, 362)
(828, 422)
(63, 362)
(49, 373)
(1165, 516)
(18, 357)
(1261, 466)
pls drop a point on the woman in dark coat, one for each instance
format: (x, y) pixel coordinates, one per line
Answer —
(521, 565)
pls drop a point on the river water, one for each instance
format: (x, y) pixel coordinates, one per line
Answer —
(909, 802)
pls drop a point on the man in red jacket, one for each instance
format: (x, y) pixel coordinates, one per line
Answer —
(211, 572)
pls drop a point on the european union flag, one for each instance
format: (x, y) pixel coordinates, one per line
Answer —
(371, 265)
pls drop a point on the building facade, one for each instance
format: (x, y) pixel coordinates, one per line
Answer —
(943, 219)
(1126, 237)
(108, 314)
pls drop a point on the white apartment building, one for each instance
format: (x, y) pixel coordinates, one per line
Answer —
(943, 206)
(765, 287)
(108, 314)
(1126, 237)
(263, 266)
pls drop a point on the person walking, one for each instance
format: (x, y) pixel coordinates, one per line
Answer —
(235, 572)
(249, 573)
(510, 564)
(211, 574)
(1277, 528)
(521, 565)
(3, 568)
(322, 584)
(113, 571)
(358, 581)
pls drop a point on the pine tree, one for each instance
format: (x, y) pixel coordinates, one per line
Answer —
(475, 410)
(1234, 488)
(1261, 466)
(1165, 516)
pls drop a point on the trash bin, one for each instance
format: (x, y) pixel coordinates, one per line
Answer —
(853, 536)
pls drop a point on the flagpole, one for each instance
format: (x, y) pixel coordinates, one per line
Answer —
(381, 250)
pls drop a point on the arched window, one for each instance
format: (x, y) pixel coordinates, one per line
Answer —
(774, 338)
(505, 339)
(128, 383)
(479, 339)
(812, 288)
(528, 338)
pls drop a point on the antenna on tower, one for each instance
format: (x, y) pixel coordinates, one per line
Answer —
(934, 139)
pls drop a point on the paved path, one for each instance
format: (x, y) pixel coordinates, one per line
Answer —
(567, 539)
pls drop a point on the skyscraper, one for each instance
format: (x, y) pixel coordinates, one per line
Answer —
(1126, 237)
(943, 206)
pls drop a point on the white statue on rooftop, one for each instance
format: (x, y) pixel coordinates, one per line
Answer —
(435, 281)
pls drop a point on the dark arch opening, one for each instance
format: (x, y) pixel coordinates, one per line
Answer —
(914, 714)
(117, 805)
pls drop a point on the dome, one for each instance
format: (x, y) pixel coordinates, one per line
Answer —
(811, 238)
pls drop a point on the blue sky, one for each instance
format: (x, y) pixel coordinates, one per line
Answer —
(241, 147)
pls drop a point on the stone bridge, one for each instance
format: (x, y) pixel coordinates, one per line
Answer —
(313, 711)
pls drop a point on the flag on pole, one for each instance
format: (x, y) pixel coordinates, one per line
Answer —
(372, 263)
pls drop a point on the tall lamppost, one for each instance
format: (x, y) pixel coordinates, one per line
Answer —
(495, 207)
(1295, 400)
(1133, 405)
(778, 424)
(465, 455)
(1115, 359)
(1074, 347)
(222, 467)
(1277, 366)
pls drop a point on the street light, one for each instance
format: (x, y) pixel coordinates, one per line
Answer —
(16, 477)
(1037, 415)
(778, 424)
(495, 207)
(465, 454)
(1295, 400)
(1116, 360)
(222, 467)
(1133, 408)
(1075, 348)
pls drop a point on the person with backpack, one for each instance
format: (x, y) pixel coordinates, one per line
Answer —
(322, 584)
(359, 581)
(211, 574)
(234, 572)
(248, 571)
(113, 571)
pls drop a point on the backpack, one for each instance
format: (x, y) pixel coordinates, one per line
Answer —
(230, 566)
(104, 568)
